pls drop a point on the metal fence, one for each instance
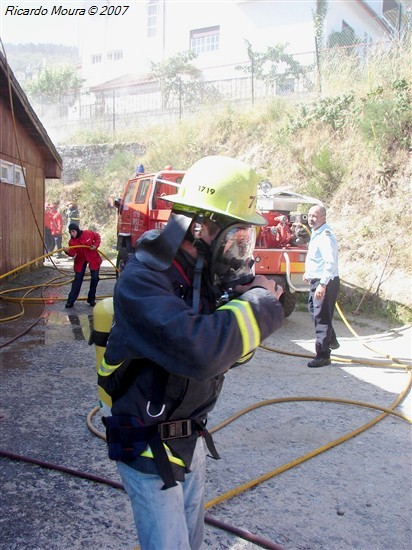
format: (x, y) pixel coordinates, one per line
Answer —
(330, 71)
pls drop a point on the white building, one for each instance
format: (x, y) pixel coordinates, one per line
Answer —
(125, 41)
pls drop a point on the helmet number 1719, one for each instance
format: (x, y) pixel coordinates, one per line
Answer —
(207, 190)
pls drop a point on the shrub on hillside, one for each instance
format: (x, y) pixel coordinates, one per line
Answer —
(386, 121)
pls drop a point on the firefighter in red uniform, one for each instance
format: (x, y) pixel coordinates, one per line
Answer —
(187, 308)
(88, 242)
(283, 234)
(57, 229)
(48, 237)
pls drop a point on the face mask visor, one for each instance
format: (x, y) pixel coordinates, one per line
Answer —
(232, 260)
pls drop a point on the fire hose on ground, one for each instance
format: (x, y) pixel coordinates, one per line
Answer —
(263, 543)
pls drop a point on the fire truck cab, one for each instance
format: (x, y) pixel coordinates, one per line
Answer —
(142, 208)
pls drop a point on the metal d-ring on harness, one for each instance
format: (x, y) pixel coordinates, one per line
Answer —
(154, 415)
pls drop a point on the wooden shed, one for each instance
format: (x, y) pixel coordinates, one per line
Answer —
(27, 157)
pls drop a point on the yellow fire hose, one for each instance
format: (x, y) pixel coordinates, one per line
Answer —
(252, 483)
(395, 363)
(30, 288)
(48, 255)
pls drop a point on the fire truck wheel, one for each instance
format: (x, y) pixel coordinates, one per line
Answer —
(288, 301)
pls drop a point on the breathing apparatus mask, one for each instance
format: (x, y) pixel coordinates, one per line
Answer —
(230, 254)
(231, 261)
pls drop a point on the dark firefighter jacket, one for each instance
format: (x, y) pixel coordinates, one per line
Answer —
(166, 362)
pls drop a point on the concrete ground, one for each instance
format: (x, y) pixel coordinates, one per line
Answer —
(60, 491)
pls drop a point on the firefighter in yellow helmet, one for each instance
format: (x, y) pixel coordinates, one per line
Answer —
(187, 308)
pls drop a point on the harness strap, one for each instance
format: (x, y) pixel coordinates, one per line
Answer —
(127, 440)
(161, 460)
(208, 439)
(98, 338)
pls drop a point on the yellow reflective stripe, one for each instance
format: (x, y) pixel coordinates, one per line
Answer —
(246, 321)
(245, 358)
(149, 454)
(106, 370)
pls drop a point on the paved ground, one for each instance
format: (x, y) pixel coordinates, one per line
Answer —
(357, 495)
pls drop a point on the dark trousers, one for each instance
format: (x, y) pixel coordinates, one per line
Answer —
(58, 242)
(48, 240)
(321, 312)
(77, 284)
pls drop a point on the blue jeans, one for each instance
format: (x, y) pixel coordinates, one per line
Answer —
(77, 284)
(173, 518)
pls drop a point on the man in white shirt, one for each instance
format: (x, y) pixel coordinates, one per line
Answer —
(321, 271)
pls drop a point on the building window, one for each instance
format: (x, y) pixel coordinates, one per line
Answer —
(152, 18)
(12, 173)
(96, 58)
(6, 172)
(115, 56)
(19, 174)
(286, 86)
(205, 40)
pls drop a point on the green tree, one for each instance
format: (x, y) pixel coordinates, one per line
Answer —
(318, 24)
(319, 20)
(274, 67)
(180, 79)
(55, 86)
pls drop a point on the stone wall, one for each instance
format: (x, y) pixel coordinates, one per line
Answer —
(94, 158)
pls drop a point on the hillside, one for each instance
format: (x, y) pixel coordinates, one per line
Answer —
(27, 60)
(352, 150)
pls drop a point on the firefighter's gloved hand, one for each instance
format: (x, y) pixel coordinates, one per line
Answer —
(260, 281)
